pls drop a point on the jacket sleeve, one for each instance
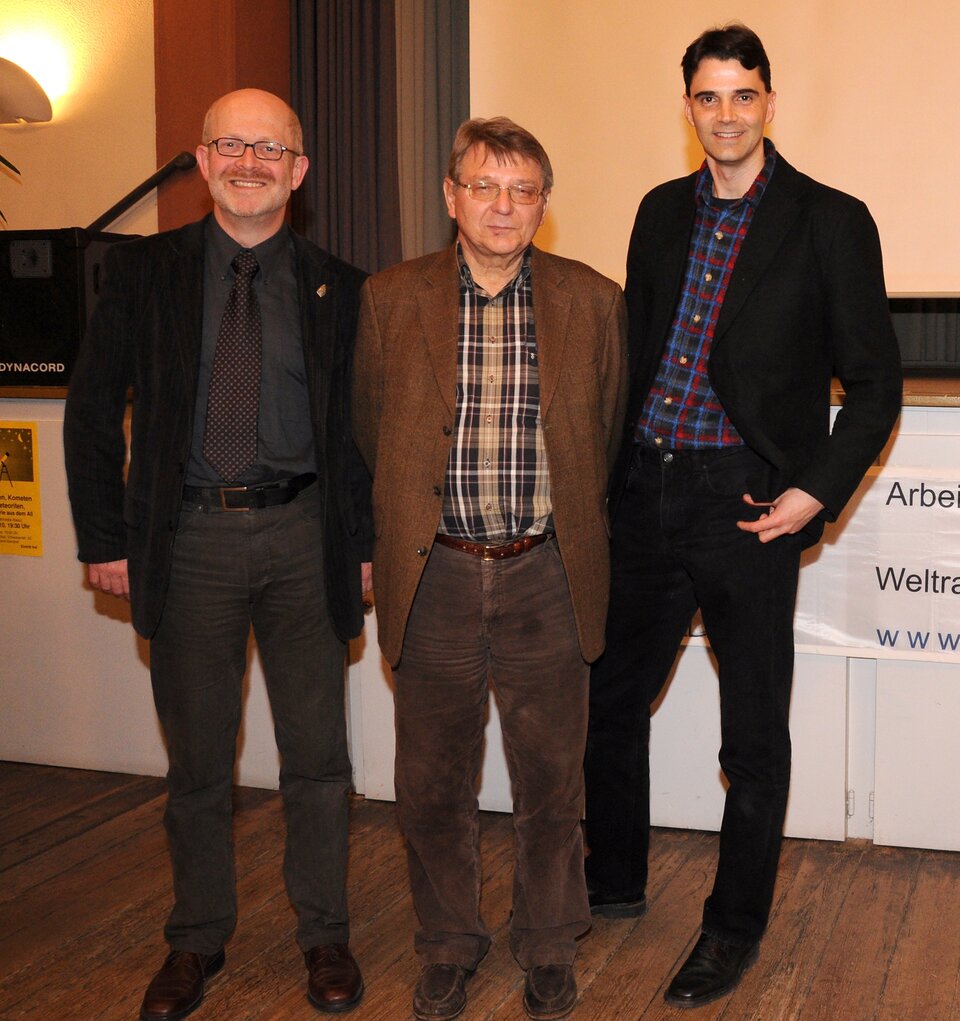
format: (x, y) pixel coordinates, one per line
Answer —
(95, 448)
(357, 480)
(367, 374)
(866, 359)
(616, 375)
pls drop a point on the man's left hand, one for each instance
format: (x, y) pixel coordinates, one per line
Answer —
(366, 585)
(791, 510)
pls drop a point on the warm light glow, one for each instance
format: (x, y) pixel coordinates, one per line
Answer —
(41, 56)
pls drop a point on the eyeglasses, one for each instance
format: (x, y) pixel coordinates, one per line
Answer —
(262, 150)
(487, 191)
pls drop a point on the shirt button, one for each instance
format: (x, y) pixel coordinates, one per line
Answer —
(683, 359)
(486, 463)
(436, 490)
(658, 440)
(719, 235)
(447, 430)
(489, 419)
(697, 317)
(668, 400)
(421, 551)
(667, 457)
(708, 276)
(491, 378)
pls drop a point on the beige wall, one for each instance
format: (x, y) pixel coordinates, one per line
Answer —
(101, 142)
(598, 81)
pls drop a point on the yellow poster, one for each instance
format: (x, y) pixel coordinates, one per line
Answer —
(21, 533)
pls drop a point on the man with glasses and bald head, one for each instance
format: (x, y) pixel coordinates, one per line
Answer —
(489, 389)
(242, 507)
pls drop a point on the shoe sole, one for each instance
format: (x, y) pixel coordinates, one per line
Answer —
(718, 994)
(336, 1008)
(553, 1015)
(632, 909)
(438, 1017)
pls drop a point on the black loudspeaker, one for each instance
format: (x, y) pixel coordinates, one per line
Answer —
(928, 330)
(49, 283)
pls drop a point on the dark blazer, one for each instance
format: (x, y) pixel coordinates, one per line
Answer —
(806, 301)
(405, 395)
(145, 334)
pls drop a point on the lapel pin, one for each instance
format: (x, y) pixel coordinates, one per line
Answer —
(321, 290)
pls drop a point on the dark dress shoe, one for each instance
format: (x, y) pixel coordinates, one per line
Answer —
(550, 991)
(712, 970)
(615, 905)
(177, 988)
(441, 992)
(334, 982)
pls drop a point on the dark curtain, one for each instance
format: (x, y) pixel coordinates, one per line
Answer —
(433, 79)
(344, 88)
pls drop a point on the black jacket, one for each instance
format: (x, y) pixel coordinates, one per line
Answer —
(145, 334)
(806, 302)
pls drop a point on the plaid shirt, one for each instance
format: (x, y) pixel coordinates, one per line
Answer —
(498, 483)
(681, 410)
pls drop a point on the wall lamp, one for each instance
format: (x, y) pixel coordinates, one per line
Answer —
(22, 99)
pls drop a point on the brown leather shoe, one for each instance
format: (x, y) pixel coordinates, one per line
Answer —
(441, 992)
(550, 991)
(334, 982)
(177, 988)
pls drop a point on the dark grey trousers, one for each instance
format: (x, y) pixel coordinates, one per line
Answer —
(232, 570)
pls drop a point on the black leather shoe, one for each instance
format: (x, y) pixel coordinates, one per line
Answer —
(441, 992)
(615, 905)
(712, 970)
(177, 988)
(550, 991)
(334, 982)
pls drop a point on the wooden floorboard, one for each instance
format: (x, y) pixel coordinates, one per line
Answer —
(858, 933)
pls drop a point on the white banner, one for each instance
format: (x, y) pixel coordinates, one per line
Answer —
(885, 581)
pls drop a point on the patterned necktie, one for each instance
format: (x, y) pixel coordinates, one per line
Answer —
(233, 404)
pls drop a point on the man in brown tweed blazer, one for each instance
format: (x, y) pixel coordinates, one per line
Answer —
(488, 397)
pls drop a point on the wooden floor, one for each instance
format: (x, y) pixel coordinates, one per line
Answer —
(858, 932)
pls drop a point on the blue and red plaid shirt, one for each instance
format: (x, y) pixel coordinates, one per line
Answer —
(681, 410)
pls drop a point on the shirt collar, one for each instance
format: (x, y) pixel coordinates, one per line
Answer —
(466, 277)
(704, 183)
(224, 249)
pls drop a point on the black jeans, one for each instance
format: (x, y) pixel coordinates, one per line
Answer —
(231, 570)
(675, 547)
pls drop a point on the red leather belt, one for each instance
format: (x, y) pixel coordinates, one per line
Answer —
(502, 552)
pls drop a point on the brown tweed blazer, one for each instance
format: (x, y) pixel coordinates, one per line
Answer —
(404, 399)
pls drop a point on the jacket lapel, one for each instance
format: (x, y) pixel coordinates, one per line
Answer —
(677, 229)
(551, 314)
(771, 224)
(316, 292)
(438, 308)
(181, 310)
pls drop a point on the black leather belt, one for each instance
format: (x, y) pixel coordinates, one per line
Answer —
(502, 552)
(245, 498)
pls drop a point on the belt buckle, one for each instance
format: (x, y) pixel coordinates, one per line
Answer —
(504, 550)
(232, 489)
